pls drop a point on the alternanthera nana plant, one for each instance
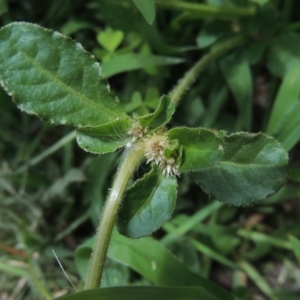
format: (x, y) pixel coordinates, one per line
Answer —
(52, 76)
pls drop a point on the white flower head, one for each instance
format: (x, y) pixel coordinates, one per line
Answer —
(137, 131)
(169, 167)
(155, 146)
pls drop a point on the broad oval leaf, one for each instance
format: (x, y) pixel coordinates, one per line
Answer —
(152, 260)
(143, 293)
(201, 147)
(254, 167)
(147, 205)
(104, 138)
(52, 76)
(160, 116)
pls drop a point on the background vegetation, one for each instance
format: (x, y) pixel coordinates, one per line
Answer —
(52, 192)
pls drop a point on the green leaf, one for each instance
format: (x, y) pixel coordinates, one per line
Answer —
(145, 293)
(186, 253)
(132, 61)
(147, 205)
(258, 279)
(115, 274)
(7, 267)
(150, 259)
(74, 26)
(201, 147)
(239, 79)
(147, 9)
(152, 98)
(288, 118)
(224, 238)
(105, 138)
(295, 243)
(254, 53)
(216, 100)
(194, 10)
(254, 167)
(285, 129)
(286, 97)
(135, 102)
(207, 251)
(52, 76)
(160, 116)
(293, 137)
(110, 39)
(260, 2)
(188, 223)
(294, 174)
(262, 238)
(287, 294)
(284, 53)
(284, 122)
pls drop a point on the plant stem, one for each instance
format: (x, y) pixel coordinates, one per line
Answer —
(204, 10)
(124, 173)
(127, 167)
(189, 78)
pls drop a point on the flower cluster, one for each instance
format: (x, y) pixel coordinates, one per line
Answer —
(169, 167)
(155, 146)
(137, 131)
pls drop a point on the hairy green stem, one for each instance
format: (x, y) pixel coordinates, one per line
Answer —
(189, 78)
(130, 162)
(124, 173)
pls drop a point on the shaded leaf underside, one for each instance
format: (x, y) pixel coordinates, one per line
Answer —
(147, 205)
